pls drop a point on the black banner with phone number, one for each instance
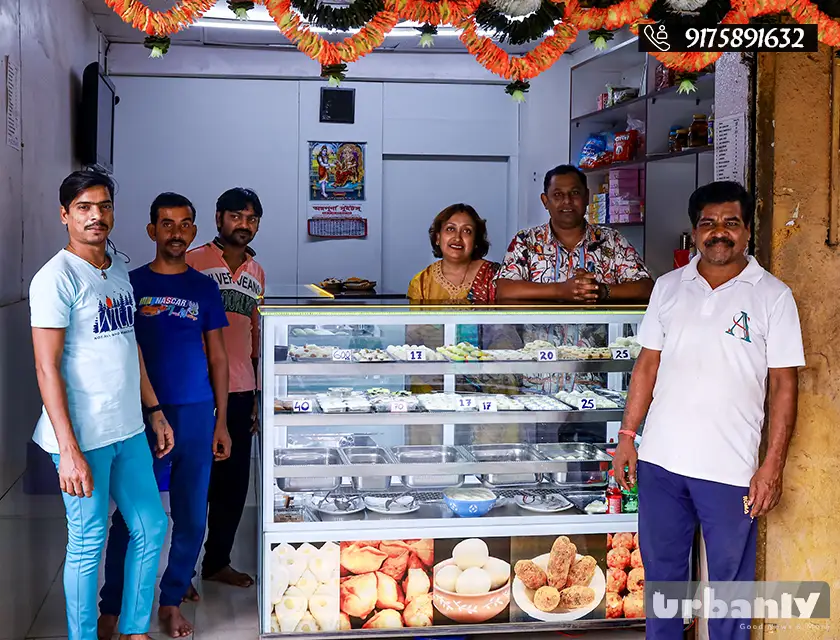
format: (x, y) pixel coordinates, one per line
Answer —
(675, 38)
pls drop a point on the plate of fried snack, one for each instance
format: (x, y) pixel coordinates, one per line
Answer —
(560, 585)
(386, 584)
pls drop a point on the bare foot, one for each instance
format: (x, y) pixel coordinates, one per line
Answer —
(229, 576)
(106, 627)
(174, 623)
(191, 595)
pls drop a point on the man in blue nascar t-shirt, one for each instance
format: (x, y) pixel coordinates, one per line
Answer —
(179, 321)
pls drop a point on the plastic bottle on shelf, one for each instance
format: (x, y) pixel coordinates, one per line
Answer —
(614, 498)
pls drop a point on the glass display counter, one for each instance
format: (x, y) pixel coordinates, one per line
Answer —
(444, 467)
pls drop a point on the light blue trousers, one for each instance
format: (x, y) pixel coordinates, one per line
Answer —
(122, 471)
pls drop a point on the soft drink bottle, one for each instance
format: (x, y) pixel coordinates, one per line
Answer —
(613, 495)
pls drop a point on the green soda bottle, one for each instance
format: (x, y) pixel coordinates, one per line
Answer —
(630, 500)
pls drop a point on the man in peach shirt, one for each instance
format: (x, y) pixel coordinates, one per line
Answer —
(230, 262)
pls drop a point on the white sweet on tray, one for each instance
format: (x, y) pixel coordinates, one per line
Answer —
(311, 351)
(541, 403)
(573, 399)
(630, 343)
(402, 352)
(371, 355)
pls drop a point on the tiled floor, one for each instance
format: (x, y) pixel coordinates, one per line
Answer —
(32, 597)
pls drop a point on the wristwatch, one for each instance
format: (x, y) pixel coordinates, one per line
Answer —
(148, 411)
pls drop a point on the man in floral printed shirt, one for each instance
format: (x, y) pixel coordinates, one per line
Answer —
(569, 260)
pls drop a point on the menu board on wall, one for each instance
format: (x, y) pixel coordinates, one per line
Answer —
(405, 584)
(731, 148)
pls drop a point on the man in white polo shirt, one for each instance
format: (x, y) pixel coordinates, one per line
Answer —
(713, 334)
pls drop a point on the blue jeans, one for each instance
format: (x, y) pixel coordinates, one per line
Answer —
(190, 461)
(671, 507)
(122, 471)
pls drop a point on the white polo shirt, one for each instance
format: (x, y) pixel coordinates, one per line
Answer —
(708, 403)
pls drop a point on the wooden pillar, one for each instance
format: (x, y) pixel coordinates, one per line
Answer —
(796, 157)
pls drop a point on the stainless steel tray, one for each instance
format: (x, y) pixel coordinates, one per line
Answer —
(589, 468)
(505, 453)
(367, 455)
(308, 456)
(429, 454)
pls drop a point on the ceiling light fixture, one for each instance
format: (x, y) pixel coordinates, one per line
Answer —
(403, 30)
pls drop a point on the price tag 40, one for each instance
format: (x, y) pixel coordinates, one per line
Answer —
(399, 406)
(621, 353)
(342, 355)
(417, 355)
(586, 404)
(465, 404)
(547, 355)
(487, 405)
(302, 406)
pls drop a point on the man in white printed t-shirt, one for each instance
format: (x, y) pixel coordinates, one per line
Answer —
(713, 334)
(92, 381)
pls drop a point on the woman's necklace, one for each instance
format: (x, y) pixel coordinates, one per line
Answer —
(463, 278)
(101, 267)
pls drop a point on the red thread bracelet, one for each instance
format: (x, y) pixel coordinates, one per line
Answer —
(627, 432)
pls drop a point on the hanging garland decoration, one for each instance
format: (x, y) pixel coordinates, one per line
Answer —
(240, 8)
(427, 35)
(334, 73)
(612, 17)
(160, 23)
(436, 12)
(517, 32)
(710, 13)
(518, 69)
(355, 16)
(158, 45)
(600, 38)
(327, 53)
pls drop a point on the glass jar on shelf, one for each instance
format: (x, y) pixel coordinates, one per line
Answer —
(681, 142)
(698, 132)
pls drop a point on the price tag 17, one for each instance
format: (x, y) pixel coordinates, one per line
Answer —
(417, 355)
(547, 355)
(302, 406)
(342, 355)
(399, 406)
(621, 353)
(465, 404)
(586, 404)
(487, 405)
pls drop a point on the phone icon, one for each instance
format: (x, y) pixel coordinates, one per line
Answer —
(658, 38)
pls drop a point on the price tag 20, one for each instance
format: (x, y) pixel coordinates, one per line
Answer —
(586, 404)
(621, 353)
(342, 355)
(465, 404)
(547, 355)
(302, 406)
(399, 406)
(417, 355)
(487, 405)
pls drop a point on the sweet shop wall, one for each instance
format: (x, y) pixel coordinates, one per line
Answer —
(50, 42)
(438, 130)
(794, 133)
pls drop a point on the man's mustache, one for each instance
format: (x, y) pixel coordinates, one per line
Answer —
(719, 240)
(96, 225)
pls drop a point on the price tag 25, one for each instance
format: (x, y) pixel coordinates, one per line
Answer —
(465, 404)
(302, 406)
(417, 355)
(399, 406)
(586, 404)
(547, 355)
(621, 353)
(342, 355)
(487, 405)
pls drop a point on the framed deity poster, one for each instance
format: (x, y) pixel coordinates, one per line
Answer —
(336, 171)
